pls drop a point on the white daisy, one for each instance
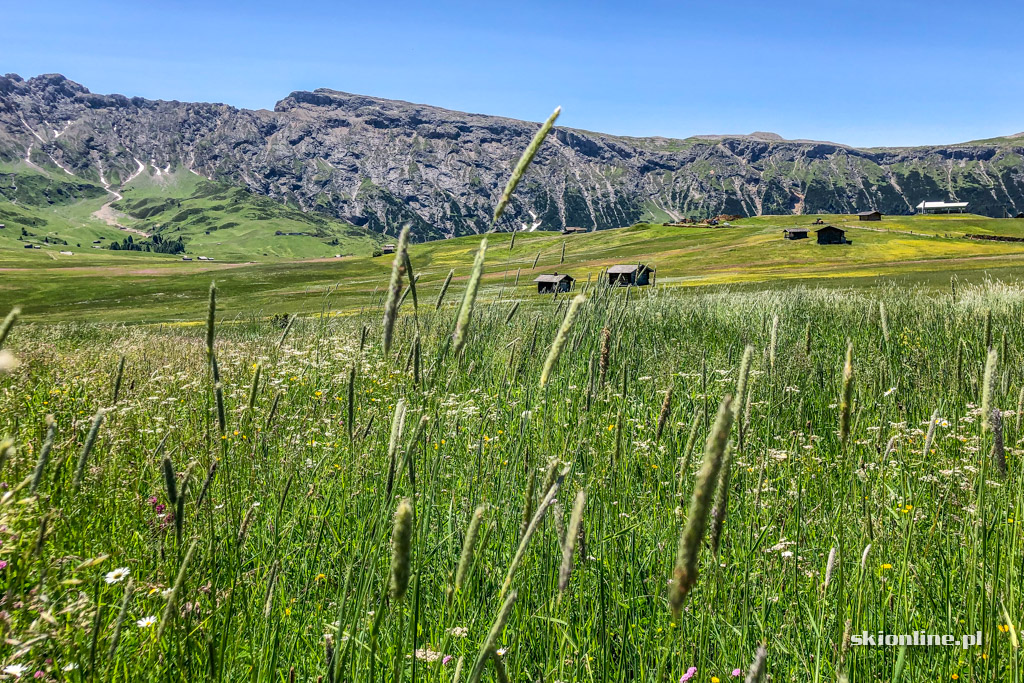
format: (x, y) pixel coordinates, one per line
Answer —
(15, 670)
(145, 622)
(118, 575)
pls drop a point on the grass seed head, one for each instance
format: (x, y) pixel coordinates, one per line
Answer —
(524, 163)
(846, 399)
(8, 324)
(561, 338)
(401, 550)
(468, 548)
(986, 388)
(395, 288)
(572, 534)
(685, 573)
(469, 299)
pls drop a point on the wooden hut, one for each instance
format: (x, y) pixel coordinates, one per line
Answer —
(870, 215)
(555, 282)
(1019, 215)
(831, 235)
(387, 249)
(573, 231)
(795, 233)
(637, 274)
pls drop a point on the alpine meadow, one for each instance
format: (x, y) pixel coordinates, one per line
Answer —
(619, 484)
(350, 389)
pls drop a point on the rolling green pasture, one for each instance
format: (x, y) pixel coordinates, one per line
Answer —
(136, 287)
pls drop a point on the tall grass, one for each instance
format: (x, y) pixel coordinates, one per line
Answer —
(289, 554)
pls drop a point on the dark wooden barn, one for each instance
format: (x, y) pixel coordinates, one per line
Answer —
(870, 215)
(637, 274)
(574, 231)
(388, 249)
(556, 282)
(831, 235)
(1019, 215)
(795, 233)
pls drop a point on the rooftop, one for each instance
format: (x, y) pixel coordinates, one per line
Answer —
(942, 205)
(628, 269)
(553, 277)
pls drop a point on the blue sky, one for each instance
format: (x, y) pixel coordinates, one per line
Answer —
(862, 73)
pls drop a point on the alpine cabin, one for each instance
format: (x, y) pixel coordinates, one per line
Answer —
(555, 282)
(635, 275)
(870, 215)
(831, 235)
(795, 233)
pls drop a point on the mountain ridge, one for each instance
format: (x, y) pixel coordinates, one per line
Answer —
(379, 163)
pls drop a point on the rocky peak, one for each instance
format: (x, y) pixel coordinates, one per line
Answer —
(381, 163)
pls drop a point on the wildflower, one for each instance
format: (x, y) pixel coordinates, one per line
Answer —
(447, 658)
(886, 566)
(117, 576)
(690, 673)
(459, 631)
(145, 622)
(736, 673)
(3, 564)
(714, 679)
(786, 554)
(427, 655)
(889, 392)
(15, 670)
(501, 651)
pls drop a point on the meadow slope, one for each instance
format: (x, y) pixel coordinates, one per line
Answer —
(119, 286)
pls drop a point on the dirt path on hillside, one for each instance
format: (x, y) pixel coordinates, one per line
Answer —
(107, 213)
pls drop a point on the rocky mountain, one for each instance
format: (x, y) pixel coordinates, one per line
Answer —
(378, 163)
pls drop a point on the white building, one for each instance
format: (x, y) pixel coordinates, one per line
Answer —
(942, 207)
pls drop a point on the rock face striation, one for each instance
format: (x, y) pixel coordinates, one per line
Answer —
(379, 163)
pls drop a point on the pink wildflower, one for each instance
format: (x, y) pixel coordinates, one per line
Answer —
(690, 673)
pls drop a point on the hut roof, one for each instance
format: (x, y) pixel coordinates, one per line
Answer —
(830, 228)
(629, 269)
(553, 277)
(803, 230)
(869, 213)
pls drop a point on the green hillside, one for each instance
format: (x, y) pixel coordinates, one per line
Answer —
(219, 221)
(147, 287)
(226, 222)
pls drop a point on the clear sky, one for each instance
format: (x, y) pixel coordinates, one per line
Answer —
(861, 73)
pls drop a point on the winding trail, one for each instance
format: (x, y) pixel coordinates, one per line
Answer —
(107, 213)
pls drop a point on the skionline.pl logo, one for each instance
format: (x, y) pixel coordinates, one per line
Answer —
(917, 638)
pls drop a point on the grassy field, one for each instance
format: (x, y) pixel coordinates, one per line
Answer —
(306, 516)
(212, 219)
(138, 287)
